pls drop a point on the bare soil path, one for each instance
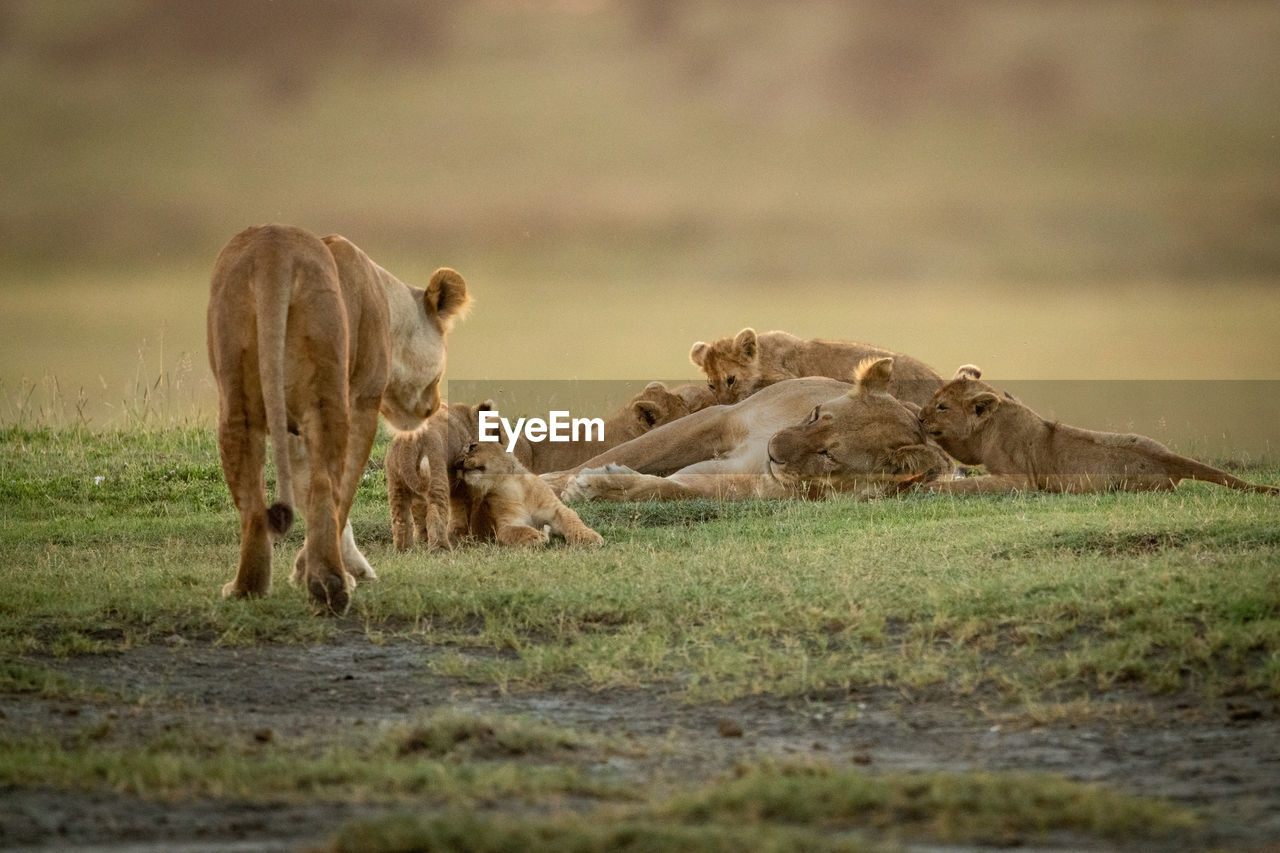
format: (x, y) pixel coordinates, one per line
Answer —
(1222, 757)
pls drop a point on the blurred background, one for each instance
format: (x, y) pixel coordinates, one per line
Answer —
(1053, 190)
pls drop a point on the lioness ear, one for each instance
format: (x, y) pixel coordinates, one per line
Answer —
(447, 297)
(698, 355)
(984, 403)
(968, 371)
(745, 343)
(873, 375)
(647, 413)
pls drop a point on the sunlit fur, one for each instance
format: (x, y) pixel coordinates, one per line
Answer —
(739, 366)
(978, 425)
(724, 451)
(519, 503)
(308, 339)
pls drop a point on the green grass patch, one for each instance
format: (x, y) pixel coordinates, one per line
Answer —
(1041, 597)
(445, 758)
(814, 807)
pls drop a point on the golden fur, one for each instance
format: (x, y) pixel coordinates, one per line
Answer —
(739, 366)
(308, 341)
(1024, 452)
(519, 504)
(798, 438)
(651, 407)
(427, 498)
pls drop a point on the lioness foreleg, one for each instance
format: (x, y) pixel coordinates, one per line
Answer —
(619, 483)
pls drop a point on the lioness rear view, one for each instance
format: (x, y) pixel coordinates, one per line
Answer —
(310, 339)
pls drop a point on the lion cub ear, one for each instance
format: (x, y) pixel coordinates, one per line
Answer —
(647, 413)
(447, 297)
(967, 371)
(745, 344)
(698, 354)
(984, 403)
(873, 376)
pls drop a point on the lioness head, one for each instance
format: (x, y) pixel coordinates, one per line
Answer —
(959, 412)
(732, 365)
(864, 436)
(485, 463)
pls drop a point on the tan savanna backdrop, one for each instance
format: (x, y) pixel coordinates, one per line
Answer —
(1053, 190)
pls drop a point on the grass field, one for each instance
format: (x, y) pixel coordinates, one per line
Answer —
(1080, 198)
(1029, 613)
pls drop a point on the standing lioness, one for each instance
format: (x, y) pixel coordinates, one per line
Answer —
(311, 339)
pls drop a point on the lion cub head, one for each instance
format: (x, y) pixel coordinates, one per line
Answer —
(485, 465)
(960, 412)
(864, 435)
(657, 404)
(732, 365)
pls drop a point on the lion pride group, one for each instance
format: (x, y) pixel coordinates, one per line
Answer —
(309, 340)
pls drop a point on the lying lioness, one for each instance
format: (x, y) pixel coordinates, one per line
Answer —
(798, 438)
(1024, 452)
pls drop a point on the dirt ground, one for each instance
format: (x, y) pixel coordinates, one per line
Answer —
(1222, 758)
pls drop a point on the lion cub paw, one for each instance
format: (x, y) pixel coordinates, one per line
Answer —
(584, 538)
(520, 535)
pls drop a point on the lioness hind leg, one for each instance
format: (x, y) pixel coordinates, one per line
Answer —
(328, 582)
(519, 534)
(570, 525)
(243, 454)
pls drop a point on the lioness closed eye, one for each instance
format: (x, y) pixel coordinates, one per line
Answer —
(1022, 451)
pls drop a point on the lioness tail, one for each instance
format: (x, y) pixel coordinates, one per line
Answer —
(272, 288)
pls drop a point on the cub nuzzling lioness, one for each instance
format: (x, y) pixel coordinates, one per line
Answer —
(519, 503)
(1024, 452)
(427, 499)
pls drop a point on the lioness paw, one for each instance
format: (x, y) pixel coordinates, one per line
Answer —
(598, 483)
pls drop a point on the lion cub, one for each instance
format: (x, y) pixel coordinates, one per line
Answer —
(737, 367)
(1023, 451)
(519, 503)
(426, 495)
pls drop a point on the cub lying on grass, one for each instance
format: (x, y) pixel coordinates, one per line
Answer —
(740, 366)
(518, 502)
(1024, 452)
